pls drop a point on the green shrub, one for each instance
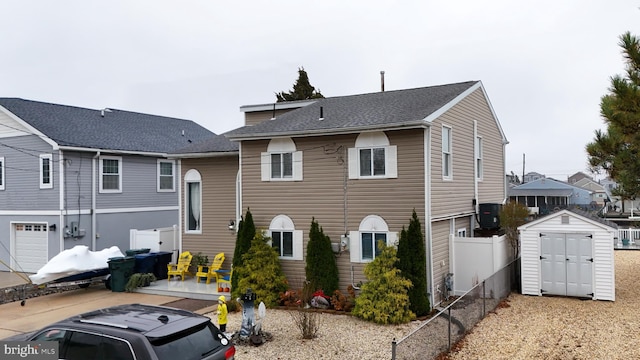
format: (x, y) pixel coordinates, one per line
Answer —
(383, 298)
(246, 233)
(412, 263)
(261, 271)
(321, 269)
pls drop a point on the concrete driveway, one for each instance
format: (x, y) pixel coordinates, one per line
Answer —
(44, 310)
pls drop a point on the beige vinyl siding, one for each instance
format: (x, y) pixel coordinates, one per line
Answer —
(440, 231)
(218, 207)
(253, 118)
(451, 197)
(326, 189)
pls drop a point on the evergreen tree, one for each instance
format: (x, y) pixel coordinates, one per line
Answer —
(616, 149)
(412, 263)
(302, 89)
(321, 268)
(261, 271)
(384, 297)
(246, 232)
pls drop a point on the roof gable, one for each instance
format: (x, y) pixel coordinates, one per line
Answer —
(584, 216)
(381, 110)
(108, 129)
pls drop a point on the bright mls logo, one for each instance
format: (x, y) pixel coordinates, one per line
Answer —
(43, 350)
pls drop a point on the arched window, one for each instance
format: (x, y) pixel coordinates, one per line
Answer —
(364, 242)
(285, 238)
(281, 162)
(373, 157)
(193, 201)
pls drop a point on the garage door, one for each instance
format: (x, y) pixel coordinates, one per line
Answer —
(566, 264)
(31, 245)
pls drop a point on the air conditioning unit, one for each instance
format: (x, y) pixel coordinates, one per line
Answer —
(488, 217)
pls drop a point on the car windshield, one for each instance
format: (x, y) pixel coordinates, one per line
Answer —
(197, 343)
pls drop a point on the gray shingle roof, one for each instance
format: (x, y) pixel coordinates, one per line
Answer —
(216, 143)
(117, 130)
(387, 109)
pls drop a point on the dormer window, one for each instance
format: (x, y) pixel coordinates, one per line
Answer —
(373, 157)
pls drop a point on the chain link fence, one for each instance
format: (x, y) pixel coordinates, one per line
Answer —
(456, 317)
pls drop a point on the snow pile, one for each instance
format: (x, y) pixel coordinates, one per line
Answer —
(74, 261)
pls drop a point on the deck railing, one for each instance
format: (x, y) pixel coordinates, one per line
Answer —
(633, 235)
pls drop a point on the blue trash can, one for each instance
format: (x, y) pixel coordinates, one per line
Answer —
(145, 263)
(163, 259)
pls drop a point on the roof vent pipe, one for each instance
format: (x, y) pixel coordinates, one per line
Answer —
(321, 113)
(382, 81)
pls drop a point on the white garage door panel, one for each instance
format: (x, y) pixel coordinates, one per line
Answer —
(566, 265)
(30, 247)
(553, 267)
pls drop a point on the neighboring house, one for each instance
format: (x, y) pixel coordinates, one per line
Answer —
(578, 177)
(75, 176)
(598, 192)
(209, 197)
(361, 164)
(546, 194)
(532, 176)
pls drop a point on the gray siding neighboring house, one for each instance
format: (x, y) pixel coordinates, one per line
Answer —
(361, 164)
(73, 176)
(544, 195)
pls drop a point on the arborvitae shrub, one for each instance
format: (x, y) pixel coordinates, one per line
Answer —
(321, 268)
(246, 232)
(383, 298)
(412, 263)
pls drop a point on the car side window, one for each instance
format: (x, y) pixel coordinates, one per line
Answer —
(82, 346)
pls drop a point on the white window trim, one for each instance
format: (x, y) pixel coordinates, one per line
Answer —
(462, 232)
(370, 224)
(111, 191)
(373, 140)
(191, 176)
(284, 223)
(479, 158)
(448, 151)
(42, 174)
(173, 175)
(2, 170)
(281, 146)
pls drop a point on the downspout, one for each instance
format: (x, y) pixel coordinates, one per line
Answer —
(94, 185)
(475, 167)
(61, 171)
(427, 214)
(177, 238)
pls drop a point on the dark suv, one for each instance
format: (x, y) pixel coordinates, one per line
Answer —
(135, 331)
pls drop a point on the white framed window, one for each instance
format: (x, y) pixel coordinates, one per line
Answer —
(462, 232)
(364, 242)
(2, 173)
(373, 157)
(166, 176)
(193, 201)
(46, 164)
(479, 158)
(447, 167)
(281, 161)
(110, 174)
(285, 239)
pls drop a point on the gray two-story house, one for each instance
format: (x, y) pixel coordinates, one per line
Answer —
(75, 176)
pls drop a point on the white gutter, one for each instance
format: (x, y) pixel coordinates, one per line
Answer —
(94, 226)
(110, 151)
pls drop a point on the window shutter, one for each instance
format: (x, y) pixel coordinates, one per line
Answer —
(391, 162)
(354, 166)
(265, 166)
(297, 245)
(392, 239)
(297, 166)
(354, 246)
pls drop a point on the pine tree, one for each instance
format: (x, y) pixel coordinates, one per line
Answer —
(321, 269)
(384, 297)
(261, 271)
(302, 89)
(412, 263)
(246, 233)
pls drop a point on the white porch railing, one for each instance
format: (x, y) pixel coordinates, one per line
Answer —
(633, 235)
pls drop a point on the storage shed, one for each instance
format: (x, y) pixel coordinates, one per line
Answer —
(568, 253)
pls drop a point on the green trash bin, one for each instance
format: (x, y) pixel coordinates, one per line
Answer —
(134, 252)
(121, 269)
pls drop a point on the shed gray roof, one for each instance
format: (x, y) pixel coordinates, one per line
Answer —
(120, 130)
(389, 109)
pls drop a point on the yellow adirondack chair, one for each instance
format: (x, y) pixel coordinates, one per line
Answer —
(209, 271)
(182, 267)
(223, 280)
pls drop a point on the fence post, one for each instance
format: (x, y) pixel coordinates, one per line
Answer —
(393, 349)
(484, 298)
(449, 311)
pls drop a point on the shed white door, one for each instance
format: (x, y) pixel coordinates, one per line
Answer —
(30, 251)
(566, 264)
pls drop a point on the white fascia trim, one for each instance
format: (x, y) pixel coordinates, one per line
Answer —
(493, 113)
(203, 155)
(452, 216)
(278, 106)
(33, 131)
(436, 114)
(110, 151)
(29, 212)
(133, 210)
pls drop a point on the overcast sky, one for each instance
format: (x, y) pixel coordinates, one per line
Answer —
(544, 64)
